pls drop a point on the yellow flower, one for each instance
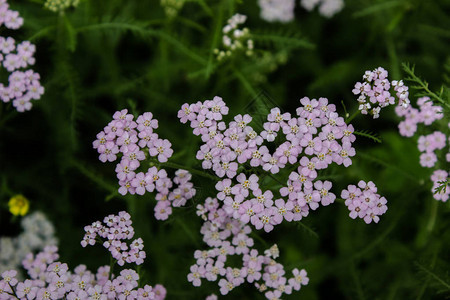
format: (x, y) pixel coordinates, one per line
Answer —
(19, 205)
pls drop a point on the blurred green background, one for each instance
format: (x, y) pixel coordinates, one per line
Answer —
(107, 55)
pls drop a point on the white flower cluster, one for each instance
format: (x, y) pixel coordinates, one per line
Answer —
(38, 232)
(171, 7)
(60, 5)
(277, 10)
(235, 38)
(283, 10)
(327, 8)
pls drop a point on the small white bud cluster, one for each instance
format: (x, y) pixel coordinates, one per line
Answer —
(60, 5)
(235, 38)
(172, 7)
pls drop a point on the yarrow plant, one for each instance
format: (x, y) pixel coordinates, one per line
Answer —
(313, 140)
(375, 92)
(317, 131)
(431, 144)
(52, 279)
(60, 5)
(227, 238)
(364, 202)
(23, 86)
(234, 38)
(135, 141)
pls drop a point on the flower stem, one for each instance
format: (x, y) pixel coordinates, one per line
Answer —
(352, 116)
(111, 267)
(14, 292)
(433, 215)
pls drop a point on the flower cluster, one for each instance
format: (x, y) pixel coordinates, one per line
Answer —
(327, 8)
(318, 132)
(364, 202)
(38, 232)
(246, 202)
(135, 139)
(112, 233)
(427, 114)
(172, 7)
(229, 237)
(9, 18)
(52, 279)
(277, 10)
(23, 86)
(374, 93)
(234, 38)
(60, 5)
(428, 144)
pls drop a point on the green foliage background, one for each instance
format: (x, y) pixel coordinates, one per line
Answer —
(107, 55)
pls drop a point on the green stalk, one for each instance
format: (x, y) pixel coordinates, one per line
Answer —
(352, 117)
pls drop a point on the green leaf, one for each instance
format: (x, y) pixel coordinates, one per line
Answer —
(140, 28)
(377, 7)
(434, 277)
(282, 39)
(368, 134)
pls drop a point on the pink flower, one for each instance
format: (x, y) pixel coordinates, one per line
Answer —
(142, 183)
(146, 122)
(271, 163)
(308, 167)
(284, 211)
(245, 184)
(275, 116)
(108, 152)
(324, 188)
(300, 278)
(264, 220)
(270, 131)
(407, 128)
(217, 109)
(161, 148)
(196, 273)
(186, 113)
(162, 210)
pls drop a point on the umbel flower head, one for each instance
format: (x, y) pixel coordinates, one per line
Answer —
(135, 141)
(60, 5)
(19, 205)
(375, 92)
(235, 38)
(310, 141)
(114, 230)
(364, 202)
